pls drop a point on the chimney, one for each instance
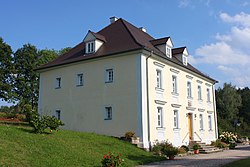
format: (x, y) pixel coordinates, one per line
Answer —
(113, 19)
(143, 29)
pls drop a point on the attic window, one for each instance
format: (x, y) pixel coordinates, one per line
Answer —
(90, 47)
(168, 52)
(184, 59)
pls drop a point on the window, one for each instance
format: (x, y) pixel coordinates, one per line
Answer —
(176, 124)
(90, 47)
(109, 75)
(201, 121)
(58, 83)
(158, 79)
(108, 112)
(168, 52)
(199, 92)
(210, 122)
(189, 89)
(208, 94)
(184, 59)
(79, 80)
(58, 114)
(174, 83)
(159, 117)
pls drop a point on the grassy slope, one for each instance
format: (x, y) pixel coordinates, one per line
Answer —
(20, 147)
(239, 163)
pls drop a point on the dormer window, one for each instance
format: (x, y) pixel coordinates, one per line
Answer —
(184, 59)
(90, 47)
(168, 52)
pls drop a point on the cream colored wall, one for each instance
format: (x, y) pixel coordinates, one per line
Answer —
(178, 102)
(82, 108)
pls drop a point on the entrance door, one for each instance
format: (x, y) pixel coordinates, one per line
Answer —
(190, 126)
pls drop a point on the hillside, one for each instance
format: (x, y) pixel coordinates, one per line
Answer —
(20, 147)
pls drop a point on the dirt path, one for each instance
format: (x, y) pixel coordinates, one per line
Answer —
(205, 160)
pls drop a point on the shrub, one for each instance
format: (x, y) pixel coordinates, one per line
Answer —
(185, 147)
(196, 146)
(40, 123)
(165, 148)
(229, 138)
(110, 160)
(218, 143)
(129, 135)
(182, 150)
(170, 151)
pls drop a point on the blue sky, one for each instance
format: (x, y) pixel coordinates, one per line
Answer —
(216, 33)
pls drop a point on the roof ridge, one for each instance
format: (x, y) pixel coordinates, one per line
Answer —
(160, 38)
(123, 22)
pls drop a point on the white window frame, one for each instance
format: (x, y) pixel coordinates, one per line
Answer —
(109, 75)
(176, 119)
(199, 92)
(108, 113)
(58, 83)
(159, 79)
(208, 95)
(79, 79)
(210, 127)
(58, 114)
(184, 59)
(201, 121)
(174, 84)
(90, 47)
(159, 117)
(189, 89)
(168, 52)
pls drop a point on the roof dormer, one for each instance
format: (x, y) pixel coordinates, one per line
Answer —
(165, 45)
(93, 41)
(181, 54)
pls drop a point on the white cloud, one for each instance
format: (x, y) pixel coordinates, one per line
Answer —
(184, 3)
(244, 4)
(231, 51)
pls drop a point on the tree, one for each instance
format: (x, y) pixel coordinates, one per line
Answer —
(228, 103)
(6, 71)
(26, 80)
(46, 56)
(64, 50)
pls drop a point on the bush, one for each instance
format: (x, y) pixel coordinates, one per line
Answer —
(110, 160)
(185, 147)
(218, 143)
(196, 146)
(129, 135)
(170, 151)
(165, 148)
(40, 123)
(229, 138)
(182, 150)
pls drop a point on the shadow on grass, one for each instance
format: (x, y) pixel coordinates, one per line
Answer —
(143, 159)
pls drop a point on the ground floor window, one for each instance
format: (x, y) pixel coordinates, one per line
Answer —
(58, 114)
(159, 117)
(210, 122)
(108, 113)
(176, 123)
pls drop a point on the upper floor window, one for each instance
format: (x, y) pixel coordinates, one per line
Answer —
(210, 122)
(109, 75)
(108, 113)
(184, 59)
(199, 92)
(201, 121)
(158, 79)
(174, 83)
(90, 47)
(58, 114)
(79, 79)
(176, 123)
(168, 52)
(208, 95)
(189, 89)
(58, 83)
(159, 117)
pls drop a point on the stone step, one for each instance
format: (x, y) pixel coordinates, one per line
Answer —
(210, 151)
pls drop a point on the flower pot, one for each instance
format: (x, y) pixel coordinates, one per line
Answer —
(171, 157)
(196, 151)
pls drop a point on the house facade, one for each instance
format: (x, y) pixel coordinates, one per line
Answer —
(121, 79)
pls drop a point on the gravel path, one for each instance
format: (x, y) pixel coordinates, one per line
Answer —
(205, 160)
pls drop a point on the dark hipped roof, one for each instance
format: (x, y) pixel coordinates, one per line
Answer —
(160, 41)
(118, 37)
(176, 51)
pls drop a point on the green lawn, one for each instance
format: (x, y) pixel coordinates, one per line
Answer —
(20, 147)
(239, 163)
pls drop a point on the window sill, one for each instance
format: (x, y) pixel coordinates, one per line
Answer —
(160, 128)
(190, 98)
(210, 130)
(159, 89)
(58, 88)
(79, 85)
(108, 81)
(107, 119)
(200, 100)
(176, 129)
(175, 94)
(202, 130)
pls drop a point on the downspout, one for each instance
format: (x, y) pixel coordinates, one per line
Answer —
(215, 114)
(151, 53)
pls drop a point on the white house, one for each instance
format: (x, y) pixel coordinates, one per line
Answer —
(121, 79)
